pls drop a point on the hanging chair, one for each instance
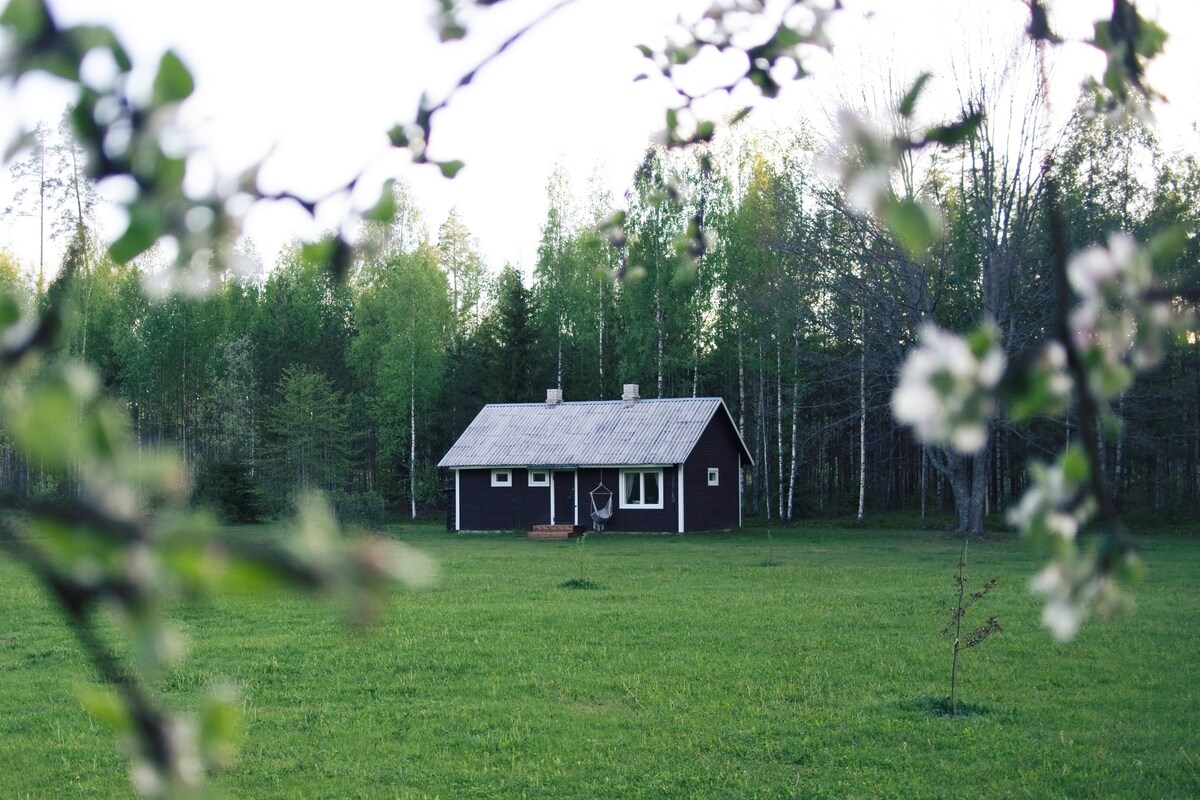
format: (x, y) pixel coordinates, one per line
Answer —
(602, 506)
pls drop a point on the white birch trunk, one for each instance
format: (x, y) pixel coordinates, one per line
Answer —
(779, 421)
(763, 436)
(741, 390)
(658, 323)
(600, 327)
(412, 447)
(862, 422)
(795, 405)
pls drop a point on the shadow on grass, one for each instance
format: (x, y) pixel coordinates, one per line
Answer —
(940, 707)
(769, 562)
(580, 583)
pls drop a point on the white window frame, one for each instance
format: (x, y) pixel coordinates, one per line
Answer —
(545, 480)
(504, 482)
(714, 476)
(640, 472)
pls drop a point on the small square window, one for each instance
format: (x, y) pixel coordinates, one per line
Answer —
(714, 476)
(502, 477)
(539, 477)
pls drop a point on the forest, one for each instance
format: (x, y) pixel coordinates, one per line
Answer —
(798, 312)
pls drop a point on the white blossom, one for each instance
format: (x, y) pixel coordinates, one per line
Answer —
(865, 171)
(945, 390)
(1069, 597)
(1113, 320)
(1063, 619)
(1052, 505)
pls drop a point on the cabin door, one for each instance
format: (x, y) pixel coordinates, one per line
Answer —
(563, 488)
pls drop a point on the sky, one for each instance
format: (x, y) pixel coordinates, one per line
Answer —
(313, 88)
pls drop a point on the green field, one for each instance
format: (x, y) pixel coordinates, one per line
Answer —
(806, 664)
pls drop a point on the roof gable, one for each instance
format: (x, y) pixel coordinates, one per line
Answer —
(597, 433)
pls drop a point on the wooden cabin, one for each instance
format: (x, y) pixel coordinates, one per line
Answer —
(669, 465)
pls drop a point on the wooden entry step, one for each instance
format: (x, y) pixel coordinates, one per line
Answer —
(555, 532)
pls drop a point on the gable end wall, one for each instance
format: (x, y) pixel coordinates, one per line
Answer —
(712, 507)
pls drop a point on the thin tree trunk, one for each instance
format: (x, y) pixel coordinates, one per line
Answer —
(742, 390)
(924, 483)
(41, 206)
(795, 406)
(765, 471)
(1119, 452)
(862, 421)
(600, 327)
(412, 440)
(658, 322)
(779, 421)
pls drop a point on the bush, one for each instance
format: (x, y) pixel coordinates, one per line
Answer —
(227, 485)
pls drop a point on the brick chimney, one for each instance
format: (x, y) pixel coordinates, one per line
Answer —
(553, 397)
(630, 394)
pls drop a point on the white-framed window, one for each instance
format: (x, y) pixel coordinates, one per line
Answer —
(642, 487)
(714, 476)
(502, 477)
(539, 477)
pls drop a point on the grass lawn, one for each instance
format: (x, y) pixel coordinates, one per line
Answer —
(808, 664)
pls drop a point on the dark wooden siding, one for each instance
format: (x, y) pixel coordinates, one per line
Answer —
(483, 507)
(651, 520)
(707, 507)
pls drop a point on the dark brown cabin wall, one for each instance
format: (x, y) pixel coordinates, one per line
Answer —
(707, 507)
(664, 520)
(483, 507)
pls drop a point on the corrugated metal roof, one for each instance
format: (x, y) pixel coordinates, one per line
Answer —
(584, 433)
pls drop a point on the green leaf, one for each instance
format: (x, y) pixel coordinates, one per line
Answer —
(1103, 36)
(787, 37)
(333, 253)
(915, 227)
(1167, 246)
(451, 31)
(106, 708)
(765, 83)
(1150, 38)
(450, 168)
(145, 226)
(1075, 465)
(10, 311)
(398, 136)
(26, 20)
(92, 37)
(44, 425)
(956, 133)
(220, 725)
(384, 210)
(317, 252)
(645, 51)
(197, 567)
(682, 54)
(981, 340)
(173, 82)
(908, 103)
(169, 172)
(740, 115)
(106, 430)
